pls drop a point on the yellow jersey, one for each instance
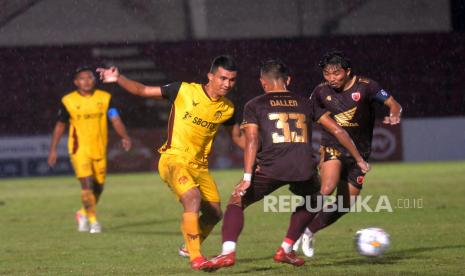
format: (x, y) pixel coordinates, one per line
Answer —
(194, 120)
(87, 117)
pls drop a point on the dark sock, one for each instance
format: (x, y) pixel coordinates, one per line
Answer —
(205, 226)
(97, 189)
(324, 219)
(233, 222)
(300, 218)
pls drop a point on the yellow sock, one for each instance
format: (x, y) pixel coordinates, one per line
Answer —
(190, 231)
(205, 230)
(83, 211)
(88, 203)
(92, 219)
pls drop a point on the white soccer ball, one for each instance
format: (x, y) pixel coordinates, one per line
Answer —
(371, 242)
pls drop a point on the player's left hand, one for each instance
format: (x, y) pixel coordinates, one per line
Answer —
(126, 143)
(392, 119)
(241, 188)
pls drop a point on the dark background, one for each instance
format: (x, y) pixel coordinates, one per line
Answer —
(424, 72)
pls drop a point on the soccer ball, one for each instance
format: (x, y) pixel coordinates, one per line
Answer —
(371, 242)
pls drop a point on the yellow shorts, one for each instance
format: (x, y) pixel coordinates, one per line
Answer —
(85, 166)
(182, 175)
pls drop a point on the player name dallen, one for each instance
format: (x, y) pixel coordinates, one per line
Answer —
(283, 103)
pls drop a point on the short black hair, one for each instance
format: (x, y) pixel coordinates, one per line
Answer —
(82, 69)
(274, 69)
(335, 57)
(225, 61)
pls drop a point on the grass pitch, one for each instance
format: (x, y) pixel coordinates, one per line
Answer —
(140, 219)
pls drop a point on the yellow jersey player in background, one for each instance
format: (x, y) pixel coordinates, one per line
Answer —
(196, 114)
(87, 110)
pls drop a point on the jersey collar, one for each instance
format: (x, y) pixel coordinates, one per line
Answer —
(206, 94)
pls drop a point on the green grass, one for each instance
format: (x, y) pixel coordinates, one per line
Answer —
(141, 228)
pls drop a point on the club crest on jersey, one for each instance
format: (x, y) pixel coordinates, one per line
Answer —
(218, 115)
(360, 179)
(183, 179)
(328, 98)
(356, 96)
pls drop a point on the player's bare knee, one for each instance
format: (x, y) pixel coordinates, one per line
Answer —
(191, 200)
(327, 189)
(235, 200)
(86, 183)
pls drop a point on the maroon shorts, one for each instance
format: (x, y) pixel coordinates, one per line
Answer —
(262, 186)
(350, 171)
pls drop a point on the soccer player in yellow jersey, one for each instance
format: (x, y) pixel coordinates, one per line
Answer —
(196, 114)
(87, 110)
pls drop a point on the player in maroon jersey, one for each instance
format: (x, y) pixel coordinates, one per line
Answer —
(351, 100)
(278, 152)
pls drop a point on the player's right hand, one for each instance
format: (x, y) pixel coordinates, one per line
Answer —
(241, 188)
(52, 158)
(364, 166)
(108, 75)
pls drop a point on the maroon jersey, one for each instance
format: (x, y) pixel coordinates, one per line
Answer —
(353, 110)
(284, 122)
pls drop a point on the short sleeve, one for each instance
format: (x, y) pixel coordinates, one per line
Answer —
(250, 114)
(231, 121)
(376, 93)
(170, 91)
(316, 105)
(112, 109)
(63, 114)
(314, 93)
(317, 108)
(112, 104)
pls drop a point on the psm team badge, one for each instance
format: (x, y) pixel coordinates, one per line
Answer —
(356, 96)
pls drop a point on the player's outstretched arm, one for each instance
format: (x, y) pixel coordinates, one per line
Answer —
(343, 137)
(236, 135)
(395, 111)
(250, 154)
(120, 129)
(112, 74)
(56, 135)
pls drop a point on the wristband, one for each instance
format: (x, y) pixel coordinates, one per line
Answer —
(247, 177)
